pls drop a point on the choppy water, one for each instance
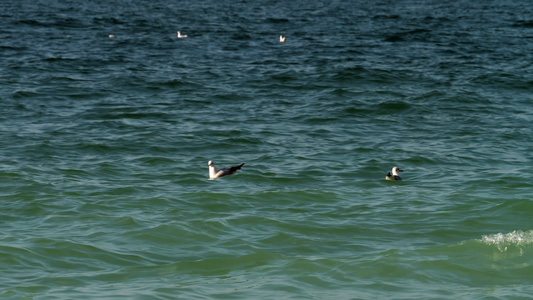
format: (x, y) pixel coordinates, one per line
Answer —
(105, 142)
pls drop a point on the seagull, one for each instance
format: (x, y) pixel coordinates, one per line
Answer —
(181, 36)
(394, 175)
(282, 39)
(214, 173)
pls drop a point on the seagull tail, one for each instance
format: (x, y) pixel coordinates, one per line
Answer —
(235, 168)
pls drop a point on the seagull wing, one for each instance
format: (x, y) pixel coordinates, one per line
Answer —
(229, 171)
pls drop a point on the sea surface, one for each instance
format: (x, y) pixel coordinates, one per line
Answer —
(108, 120)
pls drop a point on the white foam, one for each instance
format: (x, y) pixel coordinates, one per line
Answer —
(516, 238)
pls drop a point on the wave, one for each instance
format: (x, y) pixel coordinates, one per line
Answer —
(516, 239)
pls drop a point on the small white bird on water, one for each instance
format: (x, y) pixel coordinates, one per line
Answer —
(214, 173)
(395, 175)
(180, 36)
(282, 39)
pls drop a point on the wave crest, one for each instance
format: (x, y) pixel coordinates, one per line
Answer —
(516, 238)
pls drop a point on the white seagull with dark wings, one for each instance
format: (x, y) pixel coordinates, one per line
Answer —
(395, 175)
(214, 173)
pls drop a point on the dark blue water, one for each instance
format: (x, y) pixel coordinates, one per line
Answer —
(108, 120)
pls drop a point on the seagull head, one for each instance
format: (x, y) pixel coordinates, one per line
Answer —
(395, 170)
(210, 163)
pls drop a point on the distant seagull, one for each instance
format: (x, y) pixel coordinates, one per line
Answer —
(282, 39)
(111, 35)
(214, 173)
(394, 175)
(181, 36)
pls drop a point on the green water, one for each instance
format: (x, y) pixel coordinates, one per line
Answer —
(105, 143)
